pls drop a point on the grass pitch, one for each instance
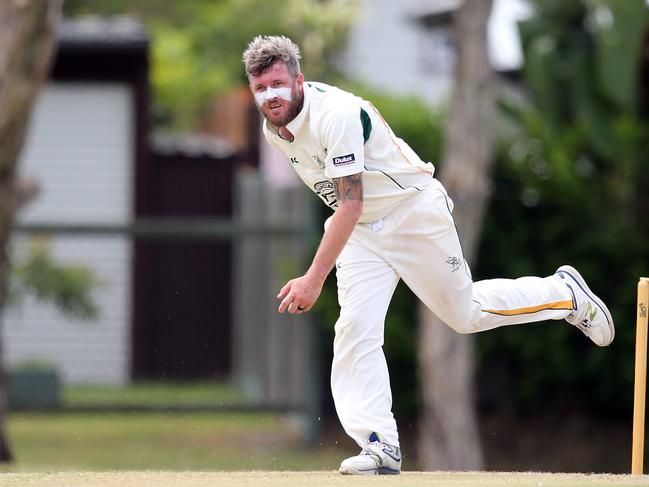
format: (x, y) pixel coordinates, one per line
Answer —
(316, 479)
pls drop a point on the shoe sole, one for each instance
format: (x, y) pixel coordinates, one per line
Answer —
(378, 471)
(576, 276)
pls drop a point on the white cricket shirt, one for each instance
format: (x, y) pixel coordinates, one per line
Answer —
(337, 134)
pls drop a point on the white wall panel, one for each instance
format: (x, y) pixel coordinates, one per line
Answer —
(80, 148)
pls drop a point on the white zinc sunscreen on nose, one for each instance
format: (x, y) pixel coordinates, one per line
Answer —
(270, 93)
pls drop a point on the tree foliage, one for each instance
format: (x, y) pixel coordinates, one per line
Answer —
(197, 44)
(570, 190)
(68, 287)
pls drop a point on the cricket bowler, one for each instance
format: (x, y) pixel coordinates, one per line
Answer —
(391, 220)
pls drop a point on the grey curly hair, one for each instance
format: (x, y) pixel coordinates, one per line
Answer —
(264, 51)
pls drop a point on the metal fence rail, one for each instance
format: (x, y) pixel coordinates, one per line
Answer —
(172, 228)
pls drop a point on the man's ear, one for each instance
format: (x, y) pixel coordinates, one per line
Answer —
(300, 80)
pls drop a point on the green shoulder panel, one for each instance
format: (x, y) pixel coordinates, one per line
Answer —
(367, 125)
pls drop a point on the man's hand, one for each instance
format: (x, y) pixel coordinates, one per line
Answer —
(300, 294)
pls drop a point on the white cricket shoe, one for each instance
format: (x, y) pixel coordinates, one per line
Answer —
(589, 313)
(376, 458)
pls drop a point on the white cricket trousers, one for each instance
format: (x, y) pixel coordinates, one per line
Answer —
(416, 242)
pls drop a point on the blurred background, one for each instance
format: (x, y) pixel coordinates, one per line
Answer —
(140, 328)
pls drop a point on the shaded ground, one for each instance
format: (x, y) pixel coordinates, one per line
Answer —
(568, 442)
(550, 442)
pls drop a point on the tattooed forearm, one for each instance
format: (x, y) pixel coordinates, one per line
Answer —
(349, 188)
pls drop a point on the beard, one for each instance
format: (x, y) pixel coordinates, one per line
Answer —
(290, 109)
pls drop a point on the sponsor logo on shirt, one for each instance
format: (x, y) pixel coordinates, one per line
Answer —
(344, 160)
(326, 191)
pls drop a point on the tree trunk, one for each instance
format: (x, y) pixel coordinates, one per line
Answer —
(27, 36)
(448, 427)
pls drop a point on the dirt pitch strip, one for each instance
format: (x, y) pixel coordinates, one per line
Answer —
(315, 479)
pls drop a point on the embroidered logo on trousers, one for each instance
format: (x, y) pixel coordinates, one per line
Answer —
(454, 262)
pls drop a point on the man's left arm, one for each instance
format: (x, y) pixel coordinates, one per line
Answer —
(300, 294)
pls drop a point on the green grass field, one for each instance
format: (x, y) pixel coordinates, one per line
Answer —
(161, 441)
(316, 479)
(156, 394)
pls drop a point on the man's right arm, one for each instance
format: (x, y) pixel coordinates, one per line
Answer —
(301, 294)
(349, 193)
